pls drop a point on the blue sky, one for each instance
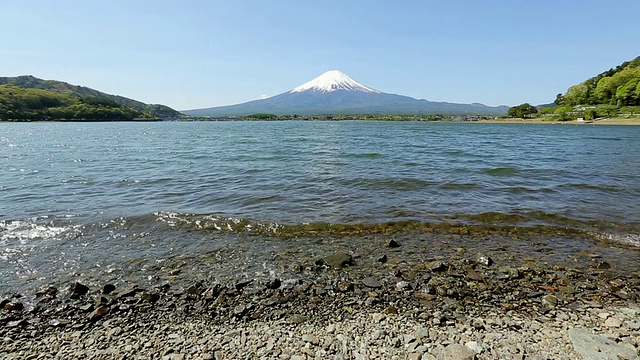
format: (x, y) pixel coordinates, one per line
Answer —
(194, 54)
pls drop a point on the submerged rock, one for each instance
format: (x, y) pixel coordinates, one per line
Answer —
(436, 266)
(393, 244)
(242, 284)
(13, 306)
(274, 284)
(108, 289)
(338, 260)
(47, 292)
(77, 290)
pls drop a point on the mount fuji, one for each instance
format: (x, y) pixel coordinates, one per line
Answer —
(334, 92)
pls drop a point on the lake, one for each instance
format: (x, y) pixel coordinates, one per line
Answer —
(135, 201)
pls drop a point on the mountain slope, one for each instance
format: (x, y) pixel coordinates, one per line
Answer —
(336, 93)
(64, 88)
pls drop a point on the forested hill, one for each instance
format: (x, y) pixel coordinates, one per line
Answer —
(19, 103)
(81, 92)
(619, 86)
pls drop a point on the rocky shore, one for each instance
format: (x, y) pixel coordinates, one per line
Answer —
(470, 307)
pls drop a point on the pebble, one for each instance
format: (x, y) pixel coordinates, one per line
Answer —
(613, 322)
(310, 338)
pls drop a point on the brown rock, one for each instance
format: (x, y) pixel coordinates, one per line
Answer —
(473, 275)
(345, 286)
(99, 312)
(390, 310)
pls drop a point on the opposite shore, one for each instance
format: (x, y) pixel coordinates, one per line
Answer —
(611, 121)
(633, 121)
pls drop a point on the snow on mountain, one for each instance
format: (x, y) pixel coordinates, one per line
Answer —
(332, 81)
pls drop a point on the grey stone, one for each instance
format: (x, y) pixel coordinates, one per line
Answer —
(634, 325)
(474, 346)
(598, 347)
(422, 333)
(371, 283)
(408, 338)
(457, 352)
(613, 322)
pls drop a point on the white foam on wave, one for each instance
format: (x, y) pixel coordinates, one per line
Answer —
(26, 231)
(623, 239)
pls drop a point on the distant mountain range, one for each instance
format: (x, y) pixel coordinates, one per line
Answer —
(81, 92)
(336, 93)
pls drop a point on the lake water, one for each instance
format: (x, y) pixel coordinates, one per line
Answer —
(132, 200)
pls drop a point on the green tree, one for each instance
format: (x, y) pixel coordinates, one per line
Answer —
(608, 110)
(563, 113)
(590, 114)
(559, 100)
(522, 111)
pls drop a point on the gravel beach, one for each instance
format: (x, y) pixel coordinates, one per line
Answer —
(467, 308)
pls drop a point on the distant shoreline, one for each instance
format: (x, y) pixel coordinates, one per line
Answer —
(613, 121)
(536, 121)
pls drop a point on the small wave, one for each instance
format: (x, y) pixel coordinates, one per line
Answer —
(531, 217)
(529, 224)
(502, 171)
(459, 186)
(364, 155)
(520, 190)
(605, 138)
(405, 184)
(590, 187)
(484, 224)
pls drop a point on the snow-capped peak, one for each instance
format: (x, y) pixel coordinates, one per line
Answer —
(331, 81)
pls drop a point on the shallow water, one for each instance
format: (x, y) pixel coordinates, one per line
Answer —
(136, 200)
